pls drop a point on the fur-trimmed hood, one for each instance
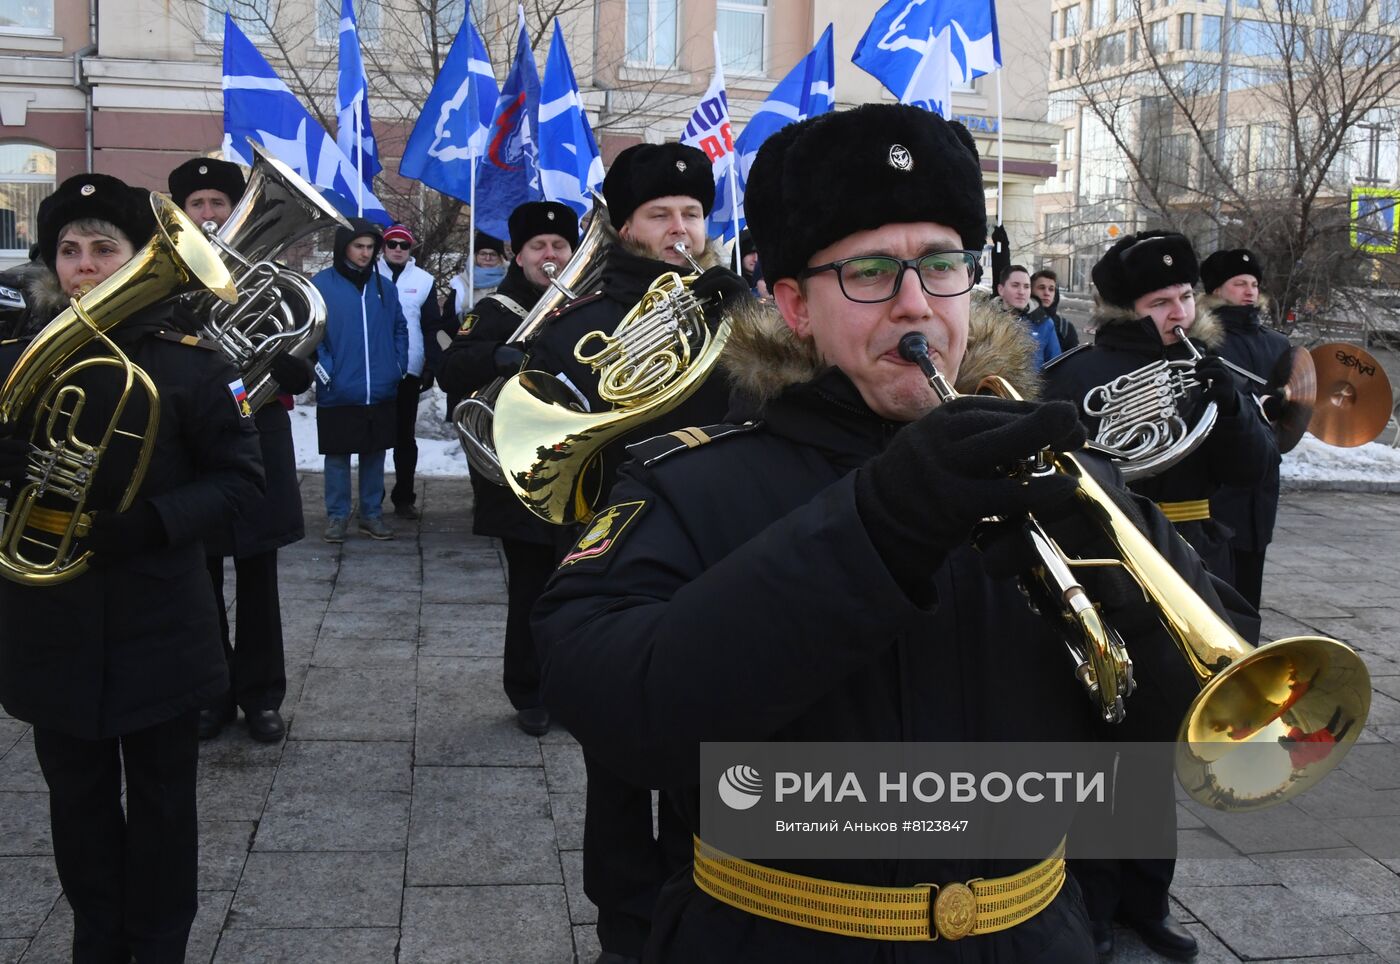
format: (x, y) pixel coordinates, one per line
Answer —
(44, 300)
(1206, 328)
(764, 357)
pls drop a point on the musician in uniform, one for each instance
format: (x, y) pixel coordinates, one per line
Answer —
(112, 666)
(807, 576)
(541, 232)
(208, 189)
(1145, 288)
(1232, 279)
(658, 195)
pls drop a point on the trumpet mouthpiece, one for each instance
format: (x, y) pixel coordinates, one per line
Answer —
(913, 347)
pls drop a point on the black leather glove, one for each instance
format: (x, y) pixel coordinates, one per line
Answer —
(941, 475)
(719, 283)
(117, 535)
(508, 357)
(1273, 406)
(292, 374)
(425, 382)
(14, 457)
(1219, 384)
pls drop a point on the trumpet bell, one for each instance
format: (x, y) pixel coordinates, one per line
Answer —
(1273, 723)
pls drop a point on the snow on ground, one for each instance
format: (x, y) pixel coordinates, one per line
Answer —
(1315, 461)
(440, 455)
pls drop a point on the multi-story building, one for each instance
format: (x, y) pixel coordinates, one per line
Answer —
(1153, 132)
(131, 87)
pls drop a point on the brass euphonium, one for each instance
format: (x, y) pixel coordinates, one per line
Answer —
(1270, 721)
(278, 311)
(48, 512)
(474, 415)
(658, 356)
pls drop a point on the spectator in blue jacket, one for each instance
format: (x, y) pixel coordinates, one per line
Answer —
(359, 365)
(1014, 291)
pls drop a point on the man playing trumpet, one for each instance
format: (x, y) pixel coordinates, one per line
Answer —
(808, 576)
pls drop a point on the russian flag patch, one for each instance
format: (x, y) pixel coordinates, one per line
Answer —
(240, 398)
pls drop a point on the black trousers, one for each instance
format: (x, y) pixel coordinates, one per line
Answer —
(624, 863)
(256, 663)
(1249, 574)
(528, 568)
(405, 444)
(130, 876)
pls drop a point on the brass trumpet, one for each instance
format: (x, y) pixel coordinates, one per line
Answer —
(1270, 721)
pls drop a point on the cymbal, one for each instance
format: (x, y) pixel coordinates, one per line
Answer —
(1353, 395)
(1297, 375)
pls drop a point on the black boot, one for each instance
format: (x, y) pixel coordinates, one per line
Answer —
(1166, 936)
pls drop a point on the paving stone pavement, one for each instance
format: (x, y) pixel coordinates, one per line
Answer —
(406, 819)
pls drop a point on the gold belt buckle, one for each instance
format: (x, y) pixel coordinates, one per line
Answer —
(952, 911)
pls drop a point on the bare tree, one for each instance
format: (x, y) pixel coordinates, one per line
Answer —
(1312, 103)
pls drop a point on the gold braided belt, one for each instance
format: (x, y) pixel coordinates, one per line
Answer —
(920, 913)
(1192, 511)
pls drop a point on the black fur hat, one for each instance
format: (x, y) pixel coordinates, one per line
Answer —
(485, 242)
(97, 196)
(820, 180)
(1226, 264)
(206, 174)
(645, 172)
(1139, 263)
(542, 217)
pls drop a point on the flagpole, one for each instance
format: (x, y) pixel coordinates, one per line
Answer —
(359, 159)
(1001, 150)
(471, 242)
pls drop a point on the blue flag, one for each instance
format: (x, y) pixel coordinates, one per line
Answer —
(570, 165)
(808, 89)
(352, 100)
(918, 48)
(258, 105)
(456, 120)
(510, 173)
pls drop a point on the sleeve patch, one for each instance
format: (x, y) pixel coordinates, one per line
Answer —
(240, 398)
(468, 323)
(603, 532)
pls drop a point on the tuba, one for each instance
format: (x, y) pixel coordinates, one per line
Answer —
(278, 310)
(1141, 423)
(1269, 721)
(48, 512)
(658, 356)
(474, 415)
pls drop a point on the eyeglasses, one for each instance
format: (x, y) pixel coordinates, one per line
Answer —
(405, 245)
(874, 278)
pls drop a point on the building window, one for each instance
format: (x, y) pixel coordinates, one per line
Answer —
(1098, 13)
(1071, 24)
(1389, 11)
(26, 178)
(1251, 4)
(1186, 32)
(368, 22)
(1122, 10)
(27, 16)
(1108, 52)
(255, 18)
(651, 32)
(442, 19)
(1210, 33)
(743, 29)
(1157, 36)
(1134, 46)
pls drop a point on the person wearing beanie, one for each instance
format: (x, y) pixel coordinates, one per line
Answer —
(806, 574)
(359, 365)
(1014, 297)
(1232, 281)
(1145, 291)
(208, 189)
(541, 232)
(112, 666)
(658, 196)
(418, 299)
